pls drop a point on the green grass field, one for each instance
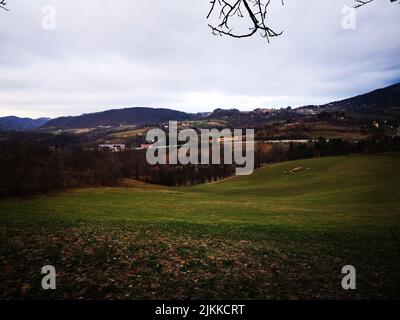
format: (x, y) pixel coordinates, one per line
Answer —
(266, 236)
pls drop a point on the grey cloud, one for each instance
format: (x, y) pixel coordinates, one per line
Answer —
(161, 53)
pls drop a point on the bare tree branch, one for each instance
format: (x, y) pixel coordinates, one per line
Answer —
(3, 5)
(361, 3)
(254, 11)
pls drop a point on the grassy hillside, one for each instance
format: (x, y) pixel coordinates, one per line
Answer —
(269, 235)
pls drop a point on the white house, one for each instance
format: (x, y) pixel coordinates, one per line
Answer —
(112, 147)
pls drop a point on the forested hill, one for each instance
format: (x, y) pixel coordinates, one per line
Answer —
(129, 116)
(20, 124)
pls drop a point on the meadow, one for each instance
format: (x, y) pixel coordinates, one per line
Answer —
(271, 235)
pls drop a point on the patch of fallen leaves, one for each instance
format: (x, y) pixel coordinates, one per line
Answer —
(94, 262)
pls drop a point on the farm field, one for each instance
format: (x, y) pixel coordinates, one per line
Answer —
(271, 235)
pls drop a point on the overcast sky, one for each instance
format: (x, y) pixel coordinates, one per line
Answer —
(161, 53)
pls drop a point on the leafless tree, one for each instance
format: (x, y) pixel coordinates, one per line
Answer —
(254, 11)
(3, 5)
(361, 3)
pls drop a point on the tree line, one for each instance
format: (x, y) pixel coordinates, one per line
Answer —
(31, 167)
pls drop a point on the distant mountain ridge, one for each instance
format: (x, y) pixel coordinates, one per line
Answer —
(385, 100)
(116, 117)
(13, 123)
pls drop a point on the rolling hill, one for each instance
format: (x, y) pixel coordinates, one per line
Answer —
(381, 101)
(21, 124)
(266, 236)
(128, 116)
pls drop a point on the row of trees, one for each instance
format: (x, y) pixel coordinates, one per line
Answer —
(322, 148)
(30, 167)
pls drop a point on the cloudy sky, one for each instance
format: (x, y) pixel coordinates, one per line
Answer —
(161, 53)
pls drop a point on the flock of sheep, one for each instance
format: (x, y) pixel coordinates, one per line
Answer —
(295, 170)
